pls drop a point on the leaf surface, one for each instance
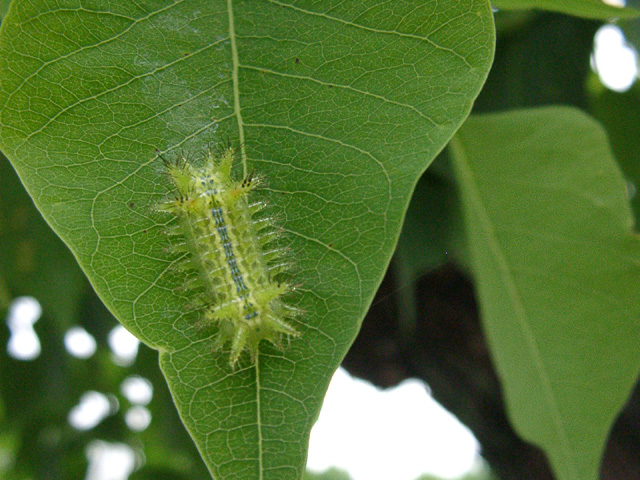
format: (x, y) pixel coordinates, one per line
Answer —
(339, 106)
(557, 267)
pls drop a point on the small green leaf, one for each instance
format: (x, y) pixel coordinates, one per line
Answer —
(557, 268)
(580, 8)
(339, 105)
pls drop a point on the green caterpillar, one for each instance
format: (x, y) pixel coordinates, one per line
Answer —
(231, 254)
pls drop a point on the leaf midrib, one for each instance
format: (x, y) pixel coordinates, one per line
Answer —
(235, 64)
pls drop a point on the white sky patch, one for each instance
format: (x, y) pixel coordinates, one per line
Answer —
(79, 343)
(137, 418)
(109, 461)
(137, 390)
(613, 59)
(399, 433)
(123, 345)
(23, 343)
(91, 410)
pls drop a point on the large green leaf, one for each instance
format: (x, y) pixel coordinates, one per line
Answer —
(557, 266)
(581, 8)
(340, 105)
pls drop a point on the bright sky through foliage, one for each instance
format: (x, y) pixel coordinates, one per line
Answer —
(79, 343)
(109, 461)
(137, 390)
(23, 313)
(399, 433)
(615, 60)
(92, 408)
(23, 343)
(137, 418)
(123, 345)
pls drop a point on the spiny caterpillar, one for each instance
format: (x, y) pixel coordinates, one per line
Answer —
(231, 254)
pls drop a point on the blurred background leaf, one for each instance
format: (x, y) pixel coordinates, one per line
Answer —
(556, 264)
(596, 9)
